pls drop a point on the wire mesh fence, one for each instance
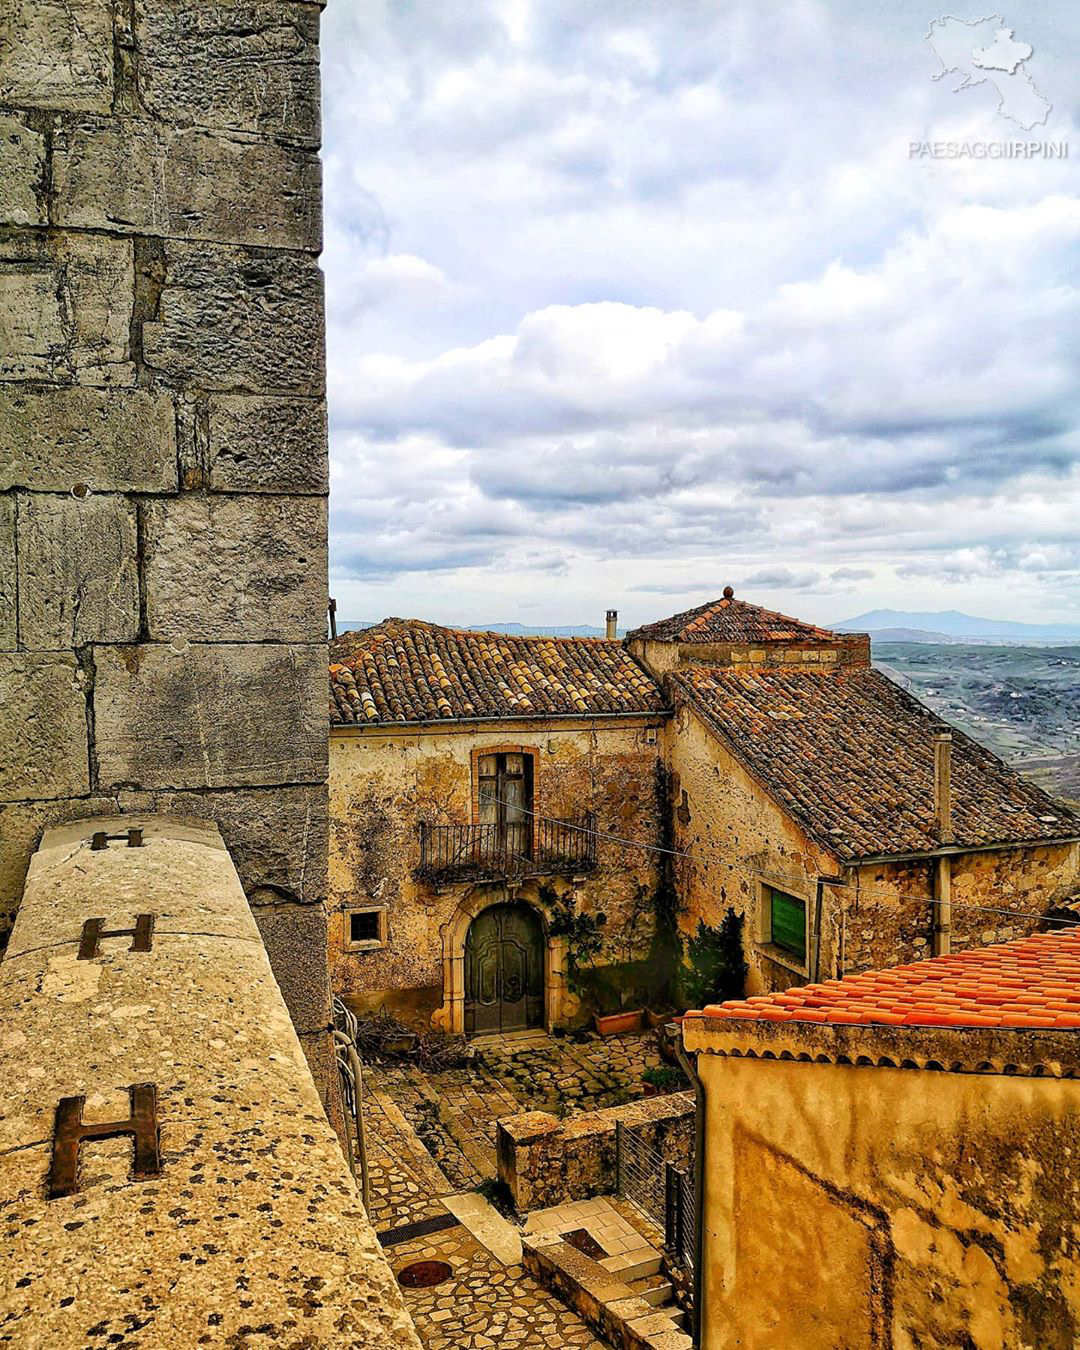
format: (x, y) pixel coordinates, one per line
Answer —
(662, 1191)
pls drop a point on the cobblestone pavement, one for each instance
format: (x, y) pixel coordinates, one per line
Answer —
(430, 1135)
(485, 1303)
(454, 1112)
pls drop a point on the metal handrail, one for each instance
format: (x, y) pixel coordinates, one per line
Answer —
(352, 1090)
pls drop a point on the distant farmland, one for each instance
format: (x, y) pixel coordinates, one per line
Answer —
(1021, 702)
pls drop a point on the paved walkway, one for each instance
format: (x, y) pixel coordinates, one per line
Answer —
(430, 1136)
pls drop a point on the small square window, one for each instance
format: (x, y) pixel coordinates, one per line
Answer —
(365, 928)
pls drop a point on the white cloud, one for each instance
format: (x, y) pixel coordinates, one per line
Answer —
(655, 295)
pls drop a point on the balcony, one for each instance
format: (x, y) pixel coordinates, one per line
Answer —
(451, 853)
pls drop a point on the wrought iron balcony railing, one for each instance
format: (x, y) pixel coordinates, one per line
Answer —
(497, 852)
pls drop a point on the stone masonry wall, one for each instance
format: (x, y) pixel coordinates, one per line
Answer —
(163, 442)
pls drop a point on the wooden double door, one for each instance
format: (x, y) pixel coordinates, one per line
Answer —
(504, 970)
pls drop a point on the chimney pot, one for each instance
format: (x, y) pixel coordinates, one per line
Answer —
(612, 623)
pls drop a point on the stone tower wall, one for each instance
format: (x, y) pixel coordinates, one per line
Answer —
(163, 442)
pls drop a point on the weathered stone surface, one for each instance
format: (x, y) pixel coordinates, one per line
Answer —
(267, 444)
(21, 824)
(254, 1220)
(22, 170)
(295, 941)
(78, 581)
(65, 308)
(184, 715)
(247, 67)
(238, 320)
(42, 726)
(110, 440)
(236, 568)
(8, 582)
(57, 54)
(123, 174)
(276, 836)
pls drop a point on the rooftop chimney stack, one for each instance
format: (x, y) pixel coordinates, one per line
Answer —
(943, 785)
(612, 623)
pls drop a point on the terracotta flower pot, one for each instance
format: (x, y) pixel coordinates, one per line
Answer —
(659, 1019)
(618, 1024)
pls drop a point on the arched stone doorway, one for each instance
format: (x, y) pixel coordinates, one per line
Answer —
(558, 1002)
(504, 970)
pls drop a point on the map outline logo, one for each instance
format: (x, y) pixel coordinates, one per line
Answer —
(989, 56)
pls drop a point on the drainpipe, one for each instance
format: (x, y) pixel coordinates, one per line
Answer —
(943, 822)
(674, 1035)
(612, 623)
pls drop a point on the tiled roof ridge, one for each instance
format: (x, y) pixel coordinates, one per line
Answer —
(682, 626)
(384, 626)
(1028, 984)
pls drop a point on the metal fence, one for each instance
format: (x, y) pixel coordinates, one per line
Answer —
(662, 1191)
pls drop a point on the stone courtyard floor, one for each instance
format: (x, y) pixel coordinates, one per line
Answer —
(432, 1135)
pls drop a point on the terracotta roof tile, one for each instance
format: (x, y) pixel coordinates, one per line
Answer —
(404, 670)
(849, 755)
(1033, 982)
(731, 620)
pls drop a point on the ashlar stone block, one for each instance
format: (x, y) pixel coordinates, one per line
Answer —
(43, 741)
(233, 66)
(267, 444)
(108, 441)
(183, 715)
(238, 320)
(57, 54)
(234, 568)
(22, 172)
(145, 177)
(78, 580)
(8, 582)
(65, 308)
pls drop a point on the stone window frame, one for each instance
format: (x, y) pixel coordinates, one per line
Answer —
(364, 944)
(780, 956)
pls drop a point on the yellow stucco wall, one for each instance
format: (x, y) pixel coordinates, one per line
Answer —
(862, 1207)
(740, 840)
(383, 783)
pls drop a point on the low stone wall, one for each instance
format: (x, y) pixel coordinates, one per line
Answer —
(546, 1161)
(217, 1207)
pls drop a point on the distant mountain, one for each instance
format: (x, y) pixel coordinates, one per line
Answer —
(952, 625)
(910, 635)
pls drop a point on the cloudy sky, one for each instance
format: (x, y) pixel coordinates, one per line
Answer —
(631, 300)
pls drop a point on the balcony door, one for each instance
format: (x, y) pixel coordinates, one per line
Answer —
(504, 970)
(505, 802)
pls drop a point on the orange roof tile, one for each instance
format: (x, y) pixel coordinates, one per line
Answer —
(1031, 983)
(405, 670)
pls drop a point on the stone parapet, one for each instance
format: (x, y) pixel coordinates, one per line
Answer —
(238, 1215)
(546, 1161)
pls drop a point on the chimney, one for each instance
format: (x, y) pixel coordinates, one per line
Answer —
(943, 785)
(612, 623)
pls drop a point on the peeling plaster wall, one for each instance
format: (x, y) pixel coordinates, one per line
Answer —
(738, 837)
(877, 1207)
(163, 442)
(880, 916)
(384, 783)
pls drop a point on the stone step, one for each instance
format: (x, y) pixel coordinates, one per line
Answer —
(658, 1294)
(646, 1265)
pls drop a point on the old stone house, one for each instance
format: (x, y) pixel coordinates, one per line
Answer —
(480, 786)
(483, 786)
(831, 809)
